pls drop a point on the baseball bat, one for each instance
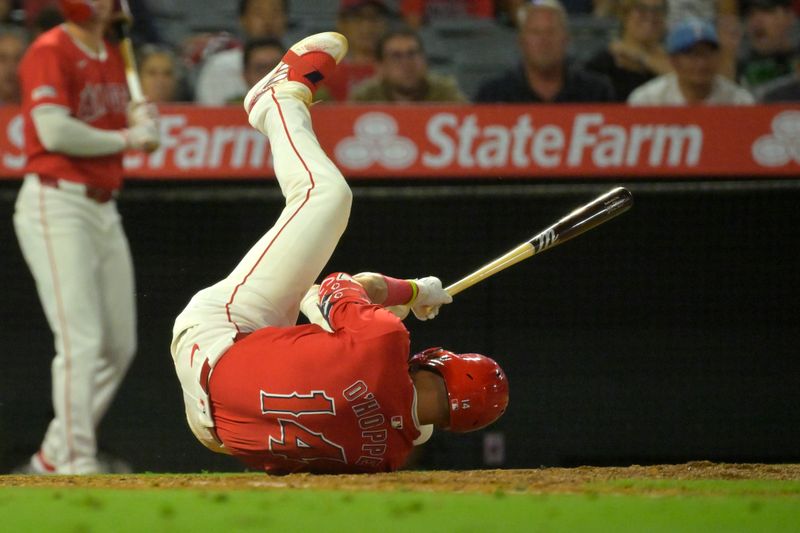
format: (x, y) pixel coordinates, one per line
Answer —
(600, 210)
(123, 26)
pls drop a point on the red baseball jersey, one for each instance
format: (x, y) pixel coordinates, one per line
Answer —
(57, 70)
(300, 399)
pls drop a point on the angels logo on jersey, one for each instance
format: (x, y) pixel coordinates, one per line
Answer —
(99, 99)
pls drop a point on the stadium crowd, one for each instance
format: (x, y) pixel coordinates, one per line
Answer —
(645, 52)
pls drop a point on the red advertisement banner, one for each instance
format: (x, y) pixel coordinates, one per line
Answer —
(514, 141)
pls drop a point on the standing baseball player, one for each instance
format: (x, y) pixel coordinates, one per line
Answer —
(78, 123)
(340, 394)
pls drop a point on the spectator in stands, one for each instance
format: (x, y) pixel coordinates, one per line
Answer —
(726, 15)
(637, 56)
(260, 56)
(693, 46)
(545, 75)
(419, 12)
(9, 13)
(159, 73)
(221, 76)
(680, 10)
(363, 22)
(784, 89)
(12, 46)
(403, 74)
(769, 25)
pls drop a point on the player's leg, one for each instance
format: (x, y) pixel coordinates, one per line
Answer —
(53, 235)
(269, 282)
(116, 281)
(272, 278)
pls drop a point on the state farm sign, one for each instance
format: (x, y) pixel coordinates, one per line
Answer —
(590, 140)
(429, 141)
(204, 148)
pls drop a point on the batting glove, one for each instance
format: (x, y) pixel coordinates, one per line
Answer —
(144, 136)
(430, 297)
(141, 112)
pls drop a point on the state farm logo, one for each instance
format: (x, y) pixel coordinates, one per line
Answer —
(376, 141)
(783, 145)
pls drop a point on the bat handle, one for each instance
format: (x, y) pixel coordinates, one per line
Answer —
(512, 257)
(131, 74)
(134, 86)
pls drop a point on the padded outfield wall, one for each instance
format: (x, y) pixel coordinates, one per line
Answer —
(669, 334)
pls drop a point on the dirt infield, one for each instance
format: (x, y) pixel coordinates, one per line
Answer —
(545, 480)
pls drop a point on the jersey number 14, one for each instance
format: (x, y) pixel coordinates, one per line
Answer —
(296, 441)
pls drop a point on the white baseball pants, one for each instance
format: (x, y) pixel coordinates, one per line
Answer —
(78, 254)
(266, 287)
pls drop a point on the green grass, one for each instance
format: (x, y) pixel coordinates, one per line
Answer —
(631, 506)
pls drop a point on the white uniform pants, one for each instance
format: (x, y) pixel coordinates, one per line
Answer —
(266, 287)
(79, 257)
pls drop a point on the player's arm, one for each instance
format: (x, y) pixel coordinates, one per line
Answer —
(340, 301)
(60, 132)
(425, 296)
(43, 80)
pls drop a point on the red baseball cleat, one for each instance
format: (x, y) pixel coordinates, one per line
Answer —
(309, 62)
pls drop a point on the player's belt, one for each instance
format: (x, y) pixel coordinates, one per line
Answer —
(205, 370)
(97, 194)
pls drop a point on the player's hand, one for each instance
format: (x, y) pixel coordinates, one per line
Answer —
(144, 137)
(141, 113)
(430, 298)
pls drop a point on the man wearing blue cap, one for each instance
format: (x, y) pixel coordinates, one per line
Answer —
(693, 47)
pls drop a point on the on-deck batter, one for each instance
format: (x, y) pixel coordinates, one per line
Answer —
(340, 394)
(75, 103)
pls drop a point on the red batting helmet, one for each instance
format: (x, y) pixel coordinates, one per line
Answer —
(78, 10)
(477, 387)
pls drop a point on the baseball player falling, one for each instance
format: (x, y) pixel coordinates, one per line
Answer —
(77, 124)
(339, 394)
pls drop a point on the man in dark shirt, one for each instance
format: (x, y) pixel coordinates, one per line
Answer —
(784, 89)
(772, 52)
(545, 75)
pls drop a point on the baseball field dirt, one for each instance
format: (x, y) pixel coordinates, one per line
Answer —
(536, 481)
(698, 496)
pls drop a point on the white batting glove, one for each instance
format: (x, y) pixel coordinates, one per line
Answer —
(430, 297)
(141, 112)
(144, 136)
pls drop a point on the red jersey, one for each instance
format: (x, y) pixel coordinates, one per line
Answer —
(300, 399)
(56, 70)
